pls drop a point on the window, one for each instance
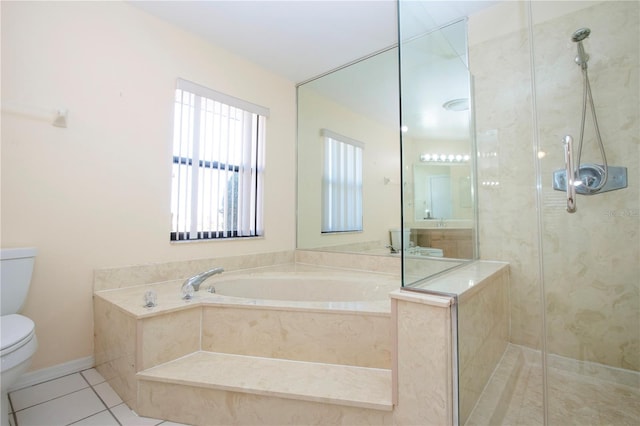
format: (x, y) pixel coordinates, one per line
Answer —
(341, 183)
(218, 145)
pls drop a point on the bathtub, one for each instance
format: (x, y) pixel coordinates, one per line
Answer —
(304, 287)
(283, 287)
(297, 313)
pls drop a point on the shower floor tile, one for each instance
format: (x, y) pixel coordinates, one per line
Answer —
(574, 399)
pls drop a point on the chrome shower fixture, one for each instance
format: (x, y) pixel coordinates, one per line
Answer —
(587, 178)
(577, 37)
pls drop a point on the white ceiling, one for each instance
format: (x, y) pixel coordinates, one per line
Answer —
(296, 39)
(302, 39)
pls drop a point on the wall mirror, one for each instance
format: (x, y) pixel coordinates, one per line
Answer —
(361, 101)
(437, 145)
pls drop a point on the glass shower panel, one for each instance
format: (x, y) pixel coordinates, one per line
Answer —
(591, 258)
(437, 140)
(499, 60)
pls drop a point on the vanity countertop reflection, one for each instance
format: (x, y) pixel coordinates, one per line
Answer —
(442, 224)
(456, 243)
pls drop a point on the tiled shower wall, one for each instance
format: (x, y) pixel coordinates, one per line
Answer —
(592, 273)
(590, 258)
(506, 210)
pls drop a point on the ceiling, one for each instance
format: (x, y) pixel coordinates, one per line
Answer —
(295, 39)
(303, 39)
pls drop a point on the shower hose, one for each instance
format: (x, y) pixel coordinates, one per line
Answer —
(588, 96)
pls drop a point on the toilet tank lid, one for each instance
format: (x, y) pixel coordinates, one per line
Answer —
(17, 253)
(14, 327)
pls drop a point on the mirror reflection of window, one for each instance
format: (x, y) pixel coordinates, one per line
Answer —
(341, 183)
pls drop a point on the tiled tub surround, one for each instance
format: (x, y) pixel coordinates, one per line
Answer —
(416, 268)
(355, 333)
(112, 278)
(351, 338)
(483, 324)
(219, 359)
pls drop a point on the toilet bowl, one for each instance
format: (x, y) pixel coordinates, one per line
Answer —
(406, 244)
(395, 238)
(18, 342)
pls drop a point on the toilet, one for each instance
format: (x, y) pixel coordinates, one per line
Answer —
(18, 336)
(419, 251)
(395, 239)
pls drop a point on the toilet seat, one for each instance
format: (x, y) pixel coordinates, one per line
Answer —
(17, 331)
(435, 252)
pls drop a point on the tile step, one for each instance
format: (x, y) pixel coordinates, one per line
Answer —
(309, 381)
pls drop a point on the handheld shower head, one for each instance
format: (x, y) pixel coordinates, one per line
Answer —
(577, 37)
(580, 34)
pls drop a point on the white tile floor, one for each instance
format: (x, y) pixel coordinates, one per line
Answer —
(83, 398)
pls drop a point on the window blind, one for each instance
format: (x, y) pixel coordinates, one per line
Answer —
(218, 165)
(341, 183)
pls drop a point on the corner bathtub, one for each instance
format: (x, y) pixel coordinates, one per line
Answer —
(303, 287)
(326, 316)
(279, 288)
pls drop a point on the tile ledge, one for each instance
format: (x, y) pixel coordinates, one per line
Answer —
(422, 298)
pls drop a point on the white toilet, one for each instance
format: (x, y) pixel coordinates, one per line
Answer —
(18, 336)
(395, 239)
(418, 251)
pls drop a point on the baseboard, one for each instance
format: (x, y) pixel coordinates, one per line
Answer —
(43, 375)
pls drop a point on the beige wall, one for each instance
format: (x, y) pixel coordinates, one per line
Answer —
(96, 194)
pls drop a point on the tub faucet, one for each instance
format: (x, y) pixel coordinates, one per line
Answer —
(196, 280)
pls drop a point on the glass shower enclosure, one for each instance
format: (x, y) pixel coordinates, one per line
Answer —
(574, 287)
(586, 69)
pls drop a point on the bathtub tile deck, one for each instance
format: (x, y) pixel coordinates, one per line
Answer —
(309, 381)
(131, 299)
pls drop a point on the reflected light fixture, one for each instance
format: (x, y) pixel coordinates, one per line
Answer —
(444, 158)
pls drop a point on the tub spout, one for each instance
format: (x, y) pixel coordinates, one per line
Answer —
(196, 280)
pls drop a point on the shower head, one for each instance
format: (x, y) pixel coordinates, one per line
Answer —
(577, 37)
(580, 34)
